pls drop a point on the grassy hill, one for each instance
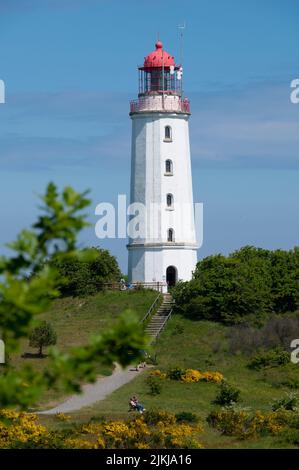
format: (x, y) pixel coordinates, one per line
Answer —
(76, 319)
(200, 345)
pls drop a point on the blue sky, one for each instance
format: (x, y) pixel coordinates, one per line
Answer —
(70, 70)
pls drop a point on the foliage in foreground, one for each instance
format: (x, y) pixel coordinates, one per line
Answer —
(155, 429)
(250, 282)
(27, 288)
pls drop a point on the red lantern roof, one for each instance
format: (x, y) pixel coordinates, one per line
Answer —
(158, 58)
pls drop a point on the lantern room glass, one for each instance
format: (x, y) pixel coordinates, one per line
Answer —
(151, 81)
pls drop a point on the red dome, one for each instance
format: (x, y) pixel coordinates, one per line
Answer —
(157, 57)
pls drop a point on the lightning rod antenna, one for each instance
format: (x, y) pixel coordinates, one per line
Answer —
(181, 29)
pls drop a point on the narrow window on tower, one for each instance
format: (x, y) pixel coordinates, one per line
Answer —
(168, 134)
(170, 235)
(169, 201)
(168, 167)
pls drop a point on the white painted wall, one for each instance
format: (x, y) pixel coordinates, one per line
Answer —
(150, 256)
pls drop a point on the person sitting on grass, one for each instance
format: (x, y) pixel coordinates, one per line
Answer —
(135, 405)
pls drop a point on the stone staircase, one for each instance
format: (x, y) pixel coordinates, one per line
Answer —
(158, 321)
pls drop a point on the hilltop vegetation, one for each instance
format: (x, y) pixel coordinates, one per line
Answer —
(87, 273)
(247, 285)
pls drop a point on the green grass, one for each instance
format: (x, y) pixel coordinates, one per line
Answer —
(75, 320)
(200, 345)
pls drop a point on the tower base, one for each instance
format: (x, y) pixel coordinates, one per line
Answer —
(167, 264)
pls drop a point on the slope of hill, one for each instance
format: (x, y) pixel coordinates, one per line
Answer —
(200, 345)
(76, 319)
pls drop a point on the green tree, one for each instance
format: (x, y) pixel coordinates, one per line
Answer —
(285, 279)
(249, 282)
(87, 273)
(41, 336)
(28, 285)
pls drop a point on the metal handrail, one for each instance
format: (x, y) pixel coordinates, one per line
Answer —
(158, 286)
(164, 323)
(151, 308)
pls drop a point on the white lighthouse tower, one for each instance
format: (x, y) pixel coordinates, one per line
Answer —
(164, 250)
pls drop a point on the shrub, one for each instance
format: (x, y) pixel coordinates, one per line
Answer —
(216, 377)
(157, 373)
(227, 395)
(243, 424)
(154, 385)
(277, 331)
(291, 436)
(62, 417)
(155, 429)
(153, 417)
(175, 373)
(272, 358)
(42, 336)
(289, 403)
(186, 417)
(191, 375)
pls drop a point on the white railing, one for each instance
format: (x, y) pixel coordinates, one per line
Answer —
(160, 103)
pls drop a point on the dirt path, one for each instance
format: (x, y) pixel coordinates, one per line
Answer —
(98, 391)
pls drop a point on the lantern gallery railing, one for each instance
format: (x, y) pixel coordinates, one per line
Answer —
(160, 103)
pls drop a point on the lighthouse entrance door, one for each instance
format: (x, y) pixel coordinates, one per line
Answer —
(171, 276)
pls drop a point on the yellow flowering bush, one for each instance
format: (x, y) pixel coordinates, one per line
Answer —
(176, 436)
(193, 375)
(152, 430)
(268, 423)
(19, 427)
(158, 373)
(244, 424)
(91, 428)
(77, 443)
(62, 417)
(215, 377)
(149, 431)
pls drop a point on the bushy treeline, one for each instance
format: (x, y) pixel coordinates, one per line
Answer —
(87, 272)
(250, 282)
(277, 332)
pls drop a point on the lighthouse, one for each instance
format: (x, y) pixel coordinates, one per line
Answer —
(162, 248)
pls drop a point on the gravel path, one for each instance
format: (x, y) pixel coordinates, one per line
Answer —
(98, 391)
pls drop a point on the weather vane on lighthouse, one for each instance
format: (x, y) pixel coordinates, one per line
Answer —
(161, 180)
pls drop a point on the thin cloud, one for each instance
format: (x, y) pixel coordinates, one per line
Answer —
(252, 127)
(7, 6)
